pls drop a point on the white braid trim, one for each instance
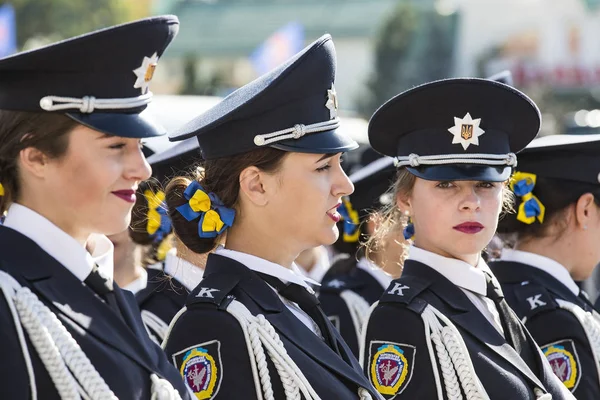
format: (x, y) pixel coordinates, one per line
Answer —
(296, 132)
(591, 326)
(358, 308)
(71, 370)
(153, 323)
(415, 160)
(362, 345)
(262, 334)
(88, 104)
(453, 355)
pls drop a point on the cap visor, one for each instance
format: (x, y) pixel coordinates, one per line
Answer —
(328, 142)
(466, 172)
(124, 125)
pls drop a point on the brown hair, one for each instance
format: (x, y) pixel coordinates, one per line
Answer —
(392, 217)
(138, 228)
(556, 195)
(220, 176)
(47, 132)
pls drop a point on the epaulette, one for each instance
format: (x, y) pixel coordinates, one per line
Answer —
(531, 299)
(405, 290)
(339, 283)
(213, 289)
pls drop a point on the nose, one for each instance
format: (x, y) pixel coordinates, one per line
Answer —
(137, 167)
(342, 185)
(470, 201)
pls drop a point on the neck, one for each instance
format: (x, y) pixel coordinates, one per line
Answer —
(129, 268)
(249, 238)
(553, 249)
(186, 254)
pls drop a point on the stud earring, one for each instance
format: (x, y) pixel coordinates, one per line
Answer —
(585, 227)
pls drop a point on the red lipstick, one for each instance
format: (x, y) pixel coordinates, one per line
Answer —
(127, 195)
(470, 228)
(333, 214)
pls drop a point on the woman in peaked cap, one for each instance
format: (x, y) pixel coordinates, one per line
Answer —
(271, 180)
(556, 231)
(443, 330)
(70, 164)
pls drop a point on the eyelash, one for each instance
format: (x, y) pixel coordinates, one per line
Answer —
(324, 168)
(117, 146)
(449, 184)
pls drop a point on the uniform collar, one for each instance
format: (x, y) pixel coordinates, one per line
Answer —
(548, 265)
(138, 284)
(188, 274)
(456, 271)
(61, 246)
(258, 264)
(376, 272)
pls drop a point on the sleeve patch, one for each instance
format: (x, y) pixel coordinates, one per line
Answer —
(391, 367)
(564, 360)
(201, 368)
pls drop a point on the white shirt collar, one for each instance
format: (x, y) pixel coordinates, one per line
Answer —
(546, 264)
(138, 284)
(184, 271)
(61, 246)
(266, 267)
(456, 271)
(376, 272)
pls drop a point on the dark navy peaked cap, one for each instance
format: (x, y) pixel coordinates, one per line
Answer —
(564, 157)
(292, 108)
(456, 129)
(100, 79)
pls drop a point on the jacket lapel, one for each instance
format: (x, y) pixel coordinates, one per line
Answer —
(256, 293)
(70, 299)
(463, 313)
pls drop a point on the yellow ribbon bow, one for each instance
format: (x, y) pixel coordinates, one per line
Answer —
(1, 190)
(200, 202)
(155, 201)
(212, 222)
(522, 184)
(163, 248)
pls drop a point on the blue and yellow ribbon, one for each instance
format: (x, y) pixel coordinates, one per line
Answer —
(159, 223)
(351, 221)
(214, 216)
(409, 230)
(531, 208)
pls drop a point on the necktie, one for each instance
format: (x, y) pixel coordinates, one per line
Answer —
(309, 303)
(514, 331)
(103, 288)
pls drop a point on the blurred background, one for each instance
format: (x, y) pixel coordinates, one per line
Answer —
(383, 46)
(552, 48)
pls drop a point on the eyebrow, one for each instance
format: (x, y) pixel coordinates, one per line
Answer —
(328, 155)
(105, 136)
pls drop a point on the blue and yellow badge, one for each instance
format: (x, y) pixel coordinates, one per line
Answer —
(200, 368)
(564, 361)
(391, 367)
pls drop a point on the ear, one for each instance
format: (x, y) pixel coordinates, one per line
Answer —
(584, 209)
(252, 186)
(404, 203)
(33, 161)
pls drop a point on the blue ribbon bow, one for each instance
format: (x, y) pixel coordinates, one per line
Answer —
(214, 216)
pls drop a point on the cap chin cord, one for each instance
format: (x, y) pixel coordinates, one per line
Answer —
(88, 104)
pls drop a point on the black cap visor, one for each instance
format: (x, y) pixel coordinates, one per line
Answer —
(136, 126)
(462, 172)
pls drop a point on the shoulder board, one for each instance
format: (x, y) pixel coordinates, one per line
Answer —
(339, 283)
(531, 299)
(213, 289)
(404, 290)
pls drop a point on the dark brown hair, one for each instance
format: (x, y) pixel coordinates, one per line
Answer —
(220, 176)
(556, 195)
(47, 132)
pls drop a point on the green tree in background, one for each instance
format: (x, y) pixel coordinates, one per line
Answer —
(59, 19)
(393, 40)
(414, 45)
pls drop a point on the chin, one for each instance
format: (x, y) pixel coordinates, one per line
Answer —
(329, 237)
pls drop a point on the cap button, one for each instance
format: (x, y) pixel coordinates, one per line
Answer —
(46, 103)
(259, 140)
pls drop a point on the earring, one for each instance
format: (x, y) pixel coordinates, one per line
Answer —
(585, 227)
(409, 230)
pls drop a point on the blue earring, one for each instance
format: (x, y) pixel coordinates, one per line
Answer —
(409, 230)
